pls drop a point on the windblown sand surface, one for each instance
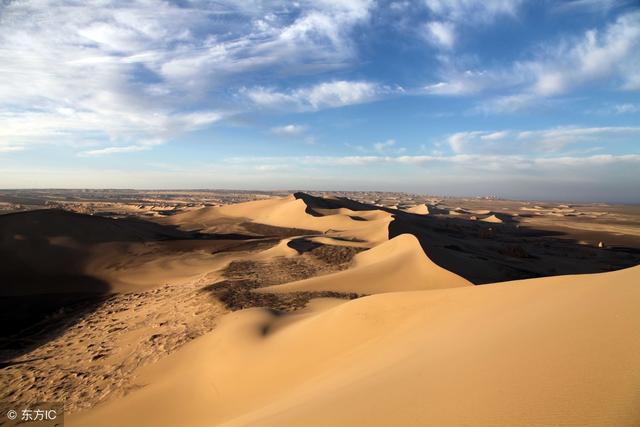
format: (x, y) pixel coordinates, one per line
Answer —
(540, 352)
(303, 310)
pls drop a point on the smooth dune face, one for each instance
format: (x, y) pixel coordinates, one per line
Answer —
(492, 219)
(141, 267)
(418, 209)
(396, 265)
(550, 351)
(480, 211)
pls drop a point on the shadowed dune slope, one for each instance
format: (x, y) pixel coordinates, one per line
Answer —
(396, 265)
(55, 251)
(550, 351)
(315, 202)
(80, 228)
(46, 250)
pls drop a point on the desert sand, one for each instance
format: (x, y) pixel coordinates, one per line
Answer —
(396, 265)
(560, 351)
(305, 310)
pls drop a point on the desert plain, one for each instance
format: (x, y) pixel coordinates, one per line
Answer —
(201, 308)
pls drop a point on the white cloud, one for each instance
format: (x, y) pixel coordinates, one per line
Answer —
(272, 168)
(323, 95)
(10, 148)
(601, 6)
(448, 16)
(626, 108)
(113, 150)
(441, 34)
(339, 93)
(508, 103)
(69, 126)
(496, 163)
(125, 71)
(388, 146)
(610, 55)
(484, 11)
(494, 136)
(470, 82)
(536, 141)
(383, 146)
(459, 140)
(289, 130)
(142, 145)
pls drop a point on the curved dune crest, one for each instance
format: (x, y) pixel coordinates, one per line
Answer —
(492, 219)
(410, 358)
(277, 211)
(480, 211)
(282, 249)
(396, 265)
(421, 209)
(292, 212)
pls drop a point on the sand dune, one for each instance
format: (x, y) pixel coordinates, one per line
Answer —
(480, 211)
(492, 219)
(49, 250)
(552, 351)
(418, 209)
(298, 211)
(136, 267)
(396, 265)
(55, 251)
(422, 346)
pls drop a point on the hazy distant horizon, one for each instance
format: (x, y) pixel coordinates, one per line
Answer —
(334, 190)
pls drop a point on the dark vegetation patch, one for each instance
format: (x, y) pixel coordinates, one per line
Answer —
(244, 277)
(317, 259)
(336, 255)
(281, 270)
(239, 294)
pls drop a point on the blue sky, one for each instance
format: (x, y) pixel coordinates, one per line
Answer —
(519, 99)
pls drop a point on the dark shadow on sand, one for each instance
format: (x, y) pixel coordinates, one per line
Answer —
(484, 252)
